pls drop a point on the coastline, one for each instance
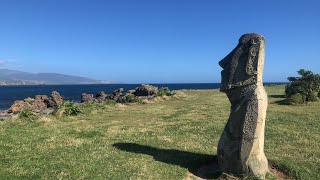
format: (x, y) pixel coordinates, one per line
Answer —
(10, 94)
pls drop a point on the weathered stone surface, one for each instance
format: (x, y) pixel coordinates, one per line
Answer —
(87, 98)
(101, 97)
(101, 94)
(55, 100)
(117, 95)
(146, 90)
(241, 146)
(36, 104)
(19, 106)
(39, 105)
(41, 97)
(131, 91)
(56, 97)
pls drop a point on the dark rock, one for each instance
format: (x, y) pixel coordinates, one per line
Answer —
(146, 90)
(87, 98)
(50, 103)
(101, 97)
(117, 95)
(54, 101)
(101, 94)
(121, 99)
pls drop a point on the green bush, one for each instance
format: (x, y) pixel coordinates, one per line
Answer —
(27, 115)
(295, 99)
(313, 96)
(71, 109)
(165, 92)
(110, 102)
(68, 108)
(131, 98)
(307, 84)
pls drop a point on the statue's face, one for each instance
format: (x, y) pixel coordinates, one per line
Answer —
(225, 63)
(240, 65)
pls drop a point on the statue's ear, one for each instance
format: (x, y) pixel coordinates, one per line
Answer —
(253, 55)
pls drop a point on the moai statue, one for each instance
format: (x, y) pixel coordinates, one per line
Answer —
(241, 146)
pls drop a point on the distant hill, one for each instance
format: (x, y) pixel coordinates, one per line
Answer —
(12, 77)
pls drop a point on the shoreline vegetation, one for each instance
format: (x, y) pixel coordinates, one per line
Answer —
(9, 94)
(168, 136)
(23, 85)
(45, 105)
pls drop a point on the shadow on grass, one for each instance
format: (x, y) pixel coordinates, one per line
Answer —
(282, 102)
(201, 165)
(277, 96)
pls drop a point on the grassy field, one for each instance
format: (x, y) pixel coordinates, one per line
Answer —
(162, 140)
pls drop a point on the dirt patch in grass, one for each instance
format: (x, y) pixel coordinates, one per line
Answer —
(212, 171)
(277, 173)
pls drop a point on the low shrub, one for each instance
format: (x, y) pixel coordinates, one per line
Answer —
(307, 84)
(165, 92)
(295, 99)
(131, 98)
(71, 109)
(68, 108)
(27, 115)
(313, 96)
(110, 102)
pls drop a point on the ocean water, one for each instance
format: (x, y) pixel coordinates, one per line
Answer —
(8, 94)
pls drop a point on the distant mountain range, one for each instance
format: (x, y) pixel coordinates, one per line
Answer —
(12, 77)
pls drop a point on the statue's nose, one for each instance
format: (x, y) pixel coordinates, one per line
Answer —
(225, 61)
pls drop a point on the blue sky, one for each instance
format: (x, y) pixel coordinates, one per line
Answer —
(159, 41)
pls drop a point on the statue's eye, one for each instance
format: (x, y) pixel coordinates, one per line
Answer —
(255, 40)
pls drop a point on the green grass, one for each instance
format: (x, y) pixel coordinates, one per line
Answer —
(162, 140)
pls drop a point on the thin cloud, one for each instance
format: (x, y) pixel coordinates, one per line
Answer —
(7, 62)
(3, 62)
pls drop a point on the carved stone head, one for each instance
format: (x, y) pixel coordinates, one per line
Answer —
(240, 66)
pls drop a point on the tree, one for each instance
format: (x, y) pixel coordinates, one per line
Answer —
(308, 85)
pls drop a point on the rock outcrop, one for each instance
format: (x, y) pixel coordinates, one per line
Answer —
(101, 97)
(117, 95)
(40, 103)
(41, 97)
(241, 146)
(146, 90)
(45, 105)
(19, 105)
(56, 97)
(87, 98)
